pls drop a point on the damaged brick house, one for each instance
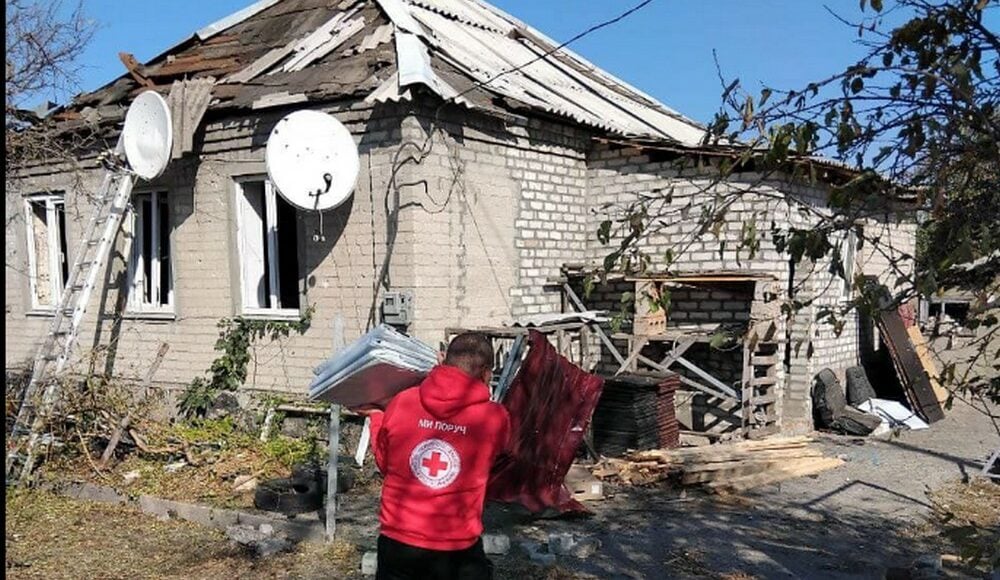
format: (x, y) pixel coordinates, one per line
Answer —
(488, 161)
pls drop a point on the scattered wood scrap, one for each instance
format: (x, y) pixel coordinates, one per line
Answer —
(732, 467)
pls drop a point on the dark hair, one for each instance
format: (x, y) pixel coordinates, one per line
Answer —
(472, 352)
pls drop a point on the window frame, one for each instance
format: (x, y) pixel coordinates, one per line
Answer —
(849, 263)
(136, 304)
(56, 280)
(271, 250)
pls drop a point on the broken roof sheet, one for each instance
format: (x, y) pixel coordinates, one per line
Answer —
(324, 49)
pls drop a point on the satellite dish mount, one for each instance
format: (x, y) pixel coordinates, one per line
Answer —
(313, 162)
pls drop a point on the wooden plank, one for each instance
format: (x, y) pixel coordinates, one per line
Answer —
(916, 383)
(687, 381)
(923, 353)
(578, 304)
(278, 100)
(706, 452)
(259, 66)
(680, 347)
(708, 377)
(312, 54)
(177, 68)
(717, 463)
(788, 470)
(763, 399)
(636, 351)
(134, 67)
(124, 423)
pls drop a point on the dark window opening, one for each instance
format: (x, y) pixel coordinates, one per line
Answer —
(288, 254)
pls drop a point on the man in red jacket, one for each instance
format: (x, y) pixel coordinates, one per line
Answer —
(435, 445)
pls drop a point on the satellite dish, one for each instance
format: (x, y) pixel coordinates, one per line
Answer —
(148, 135)
(312, 160)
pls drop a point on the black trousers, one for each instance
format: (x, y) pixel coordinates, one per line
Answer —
(399, 561)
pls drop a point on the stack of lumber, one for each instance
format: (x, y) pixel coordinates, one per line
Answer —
(733, 467)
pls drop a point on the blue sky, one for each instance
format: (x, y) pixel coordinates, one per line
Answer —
(665, 49)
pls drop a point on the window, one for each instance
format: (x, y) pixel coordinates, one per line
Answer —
(48, 265)
(268, 245)
(150, 282)
(848, 251)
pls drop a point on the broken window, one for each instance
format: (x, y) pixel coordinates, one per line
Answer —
(150, 281)
(268, 246)
(956, 311)
(48, 265)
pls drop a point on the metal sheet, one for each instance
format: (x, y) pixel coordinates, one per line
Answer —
(400, 16)
(414, 66)
(893, 412)
(372, 369)
(561, 317)
(372, 384)
(550, 402)
(521, 69)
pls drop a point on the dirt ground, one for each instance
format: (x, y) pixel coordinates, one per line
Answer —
(871, 514)
(856, 521)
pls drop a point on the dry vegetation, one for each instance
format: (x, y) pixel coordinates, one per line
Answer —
(968, 516)
(49, 536)
(53, 537)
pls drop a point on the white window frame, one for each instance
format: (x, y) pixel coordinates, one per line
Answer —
(51, 200)
(271, 215)
(136, 267)
(849, 262)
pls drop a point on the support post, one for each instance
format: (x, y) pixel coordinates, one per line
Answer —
(333, 443)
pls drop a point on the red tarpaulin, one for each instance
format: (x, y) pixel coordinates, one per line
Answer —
(551, 402)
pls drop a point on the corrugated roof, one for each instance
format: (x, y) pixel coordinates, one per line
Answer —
(323, 49)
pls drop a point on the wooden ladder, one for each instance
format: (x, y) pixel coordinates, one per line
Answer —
(761, 393)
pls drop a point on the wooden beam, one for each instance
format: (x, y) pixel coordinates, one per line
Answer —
(578, 304)
(680, 347)
(711, 380)
(633, 355)
(133, 67)
(687, 381)
(124, 423)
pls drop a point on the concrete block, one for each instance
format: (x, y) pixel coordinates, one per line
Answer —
(91, 492)
(565, 544)
(369, 563)
(497, 544)
(538, 553)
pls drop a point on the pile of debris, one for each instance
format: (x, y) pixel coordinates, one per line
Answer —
(736, 467)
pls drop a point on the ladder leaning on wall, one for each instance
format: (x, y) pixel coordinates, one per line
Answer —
(112, 203)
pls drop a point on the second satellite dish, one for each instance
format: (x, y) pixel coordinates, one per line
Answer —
(312, 160)
(148, 135)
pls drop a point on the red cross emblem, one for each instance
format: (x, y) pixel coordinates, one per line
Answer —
(434, 464)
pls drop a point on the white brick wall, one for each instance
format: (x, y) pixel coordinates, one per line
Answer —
(488, 216)
(618, 178)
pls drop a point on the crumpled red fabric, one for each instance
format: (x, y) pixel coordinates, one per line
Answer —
(551, 402)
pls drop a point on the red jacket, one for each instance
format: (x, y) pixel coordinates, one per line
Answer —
(435, 445)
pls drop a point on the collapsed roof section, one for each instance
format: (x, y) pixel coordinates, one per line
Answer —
(279, 52)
